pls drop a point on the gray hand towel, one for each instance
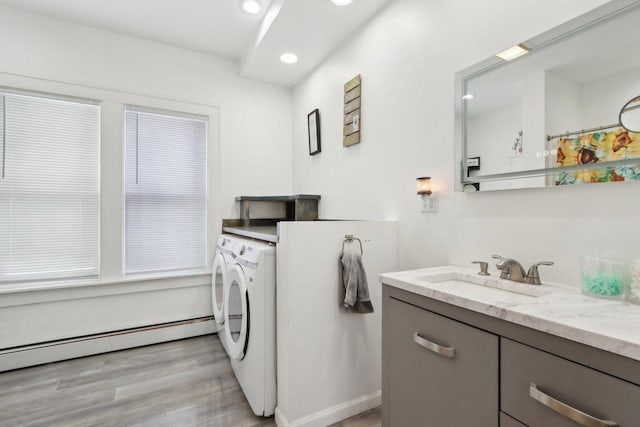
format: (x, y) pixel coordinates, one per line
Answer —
(354, 280)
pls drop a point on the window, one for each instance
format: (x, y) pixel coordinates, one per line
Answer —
(49, 187)
(165, 191)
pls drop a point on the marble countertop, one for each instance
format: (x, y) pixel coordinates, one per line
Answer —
(563, 311)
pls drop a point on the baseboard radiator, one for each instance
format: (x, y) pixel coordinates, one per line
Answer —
(71, 348)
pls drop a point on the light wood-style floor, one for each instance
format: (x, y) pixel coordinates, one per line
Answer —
(180, 383)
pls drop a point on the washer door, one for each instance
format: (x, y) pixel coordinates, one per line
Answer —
(218, 283)
(236, 312)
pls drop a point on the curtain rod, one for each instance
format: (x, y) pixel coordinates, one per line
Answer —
(552, 137)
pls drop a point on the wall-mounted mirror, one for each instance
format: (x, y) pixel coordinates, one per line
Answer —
(555, 109)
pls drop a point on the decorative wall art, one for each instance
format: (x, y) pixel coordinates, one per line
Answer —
(352, 122)
(517, 145)
(313, 128)
(598, 147)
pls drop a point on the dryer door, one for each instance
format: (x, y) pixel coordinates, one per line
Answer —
(218, 282)
(237, 314)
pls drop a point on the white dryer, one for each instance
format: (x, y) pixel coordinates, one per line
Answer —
(250, 322)
(222, 263)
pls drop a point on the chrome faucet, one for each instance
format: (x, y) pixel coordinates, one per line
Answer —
(513, 270)
(510, 269)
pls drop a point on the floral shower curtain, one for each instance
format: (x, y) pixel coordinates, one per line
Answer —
(595, 148)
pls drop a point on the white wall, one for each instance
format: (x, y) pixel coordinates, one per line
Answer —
(602, 100)
(407, 57)
(491, 136)
(250, 153)
(563, 106)
(329, 360)
(571, 106)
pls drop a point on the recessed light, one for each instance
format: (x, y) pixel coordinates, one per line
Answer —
(342, 2)
(251, 6)
(513, 52)
(468, 96)
(289, 58)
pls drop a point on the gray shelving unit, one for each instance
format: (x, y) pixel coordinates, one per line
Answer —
(298, 207)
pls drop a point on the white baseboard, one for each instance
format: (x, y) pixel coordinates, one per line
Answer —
(333, 414)
(103, 343)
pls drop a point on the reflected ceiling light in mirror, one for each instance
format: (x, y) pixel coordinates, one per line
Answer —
(250, 6)
(513, 52)
(468, 96)
(342, 2)
(289, 58)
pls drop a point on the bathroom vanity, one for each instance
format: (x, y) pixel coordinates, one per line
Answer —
(462, 350)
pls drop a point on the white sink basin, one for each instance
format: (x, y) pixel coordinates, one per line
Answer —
(459, 279)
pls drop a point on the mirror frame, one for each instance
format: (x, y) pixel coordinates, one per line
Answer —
(625, 108)
(556, 34)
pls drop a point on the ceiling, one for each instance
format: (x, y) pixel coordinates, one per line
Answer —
(309, 28)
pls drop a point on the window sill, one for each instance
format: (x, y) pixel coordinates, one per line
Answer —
(52, 285)
(139, 277)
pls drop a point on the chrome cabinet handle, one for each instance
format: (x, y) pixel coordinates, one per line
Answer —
(567, 411)
(449, 352)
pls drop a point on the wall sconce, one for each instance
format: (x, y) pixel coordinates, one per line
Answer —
(428, 197)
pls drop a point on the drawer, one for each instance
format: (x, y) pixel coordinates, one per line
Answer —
(440, 372)
(507, 421)
(544, 390)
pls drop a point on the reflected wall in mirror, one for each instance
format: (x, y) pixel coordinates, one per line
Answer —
(554, 115)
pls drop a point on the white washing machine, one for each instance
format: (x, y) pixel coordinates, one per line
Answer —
(249, 329)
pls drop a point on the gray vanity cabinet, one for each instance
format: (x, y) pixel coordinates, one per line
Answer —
(543, 390)
(507, 421)
(442, 373)
(445, 366)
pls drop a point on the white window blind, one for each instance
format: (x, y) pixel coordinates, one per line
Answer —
(165, 191)
(49, 187)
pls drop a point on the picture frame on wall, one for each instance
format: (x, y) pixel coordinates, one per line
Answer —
(313, 127)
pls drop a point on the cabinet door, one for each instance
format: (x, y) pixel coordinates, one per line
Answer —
(545, 390)
(441, 373)
(507, 421)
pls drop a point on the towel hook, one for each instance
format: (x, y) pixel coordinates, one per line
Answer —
(350, 238)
